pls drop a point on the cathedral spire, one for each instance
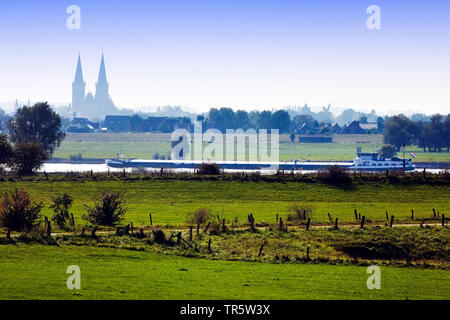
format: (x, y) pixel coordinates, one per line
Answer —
(102, 86)
(79, 72)
(102, 74)
(78, 88)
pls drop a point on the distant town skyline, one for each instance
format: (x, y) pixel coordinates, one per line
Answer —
(239, 54)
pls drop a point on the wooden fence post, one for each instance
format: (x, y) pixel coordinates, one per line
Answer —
(336, 227)
(281, 224)
(207, 227)
(260, 250)
(190, 233)
(73, 219)
(362, 221)
(93, 232)
(179, 238)
(434, 213)
(392, 221)
(443, 220)
(251, 220)
(49, 229)
(412, 214)
(198, 229)
(329, 217)
(277, 217)
(224, 228)
(387, 216)
(132, 228)
(308, 224)
(209, 246)
(356, 215)
(151, 221)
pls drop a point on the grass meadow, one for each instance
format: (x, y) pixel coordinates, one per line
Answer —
(146, 145)
(170, 201)
(131, 267)
(39, 272)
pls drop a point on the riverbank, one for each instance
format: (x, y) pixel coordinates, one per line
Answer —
(57, 165)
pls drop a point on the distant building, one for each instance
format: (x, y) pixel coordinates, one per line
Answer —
(353, 128)
(117, 123)
(308, 128)
(81, 125)
(335, 128)
(90, 106)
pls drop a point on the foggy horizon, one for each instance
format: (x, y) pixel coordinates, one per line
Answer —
(239, 55)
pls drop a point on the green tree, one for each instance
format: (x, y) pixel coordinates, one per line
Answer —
(37, 124)
(6, 150)
(292, 137)
(380, 124)
(18, 212)
(108, 209)
(265, 120)
(28, 157)
(388, 151)
(399, 130)
(446, 125)
(363, 119)
(301, 119)
(436, 130)
(136, 123)
(281, 121)
(61, 205)
(242, 120)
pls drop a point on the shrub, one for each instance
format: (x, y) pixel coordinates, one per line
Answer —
(336, 175)
(214, 228)
(108, 209)
(159, 237)
(299, 213)
(210, 169)
(201, 216)
(18, 213)
(61, 205)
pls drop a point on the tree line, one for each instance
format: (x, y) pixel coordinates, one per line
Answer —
(225, 118)
(433, 136)
(34, 134)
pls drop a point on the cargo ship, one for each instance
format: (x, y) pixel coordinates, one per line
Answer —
(362, 162)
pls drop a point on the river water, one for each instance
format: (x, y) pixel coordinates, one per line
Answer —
(98, 168)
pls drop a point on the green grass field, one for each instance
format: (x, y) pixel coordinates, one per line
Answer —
(145, 145)
(170, 201)
(39, 272)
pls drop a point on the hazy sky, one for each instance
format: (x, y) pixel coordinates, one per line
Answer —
(240, 53)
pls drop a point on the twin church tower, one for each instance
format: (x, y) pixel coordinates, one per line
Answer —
(90, 106)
